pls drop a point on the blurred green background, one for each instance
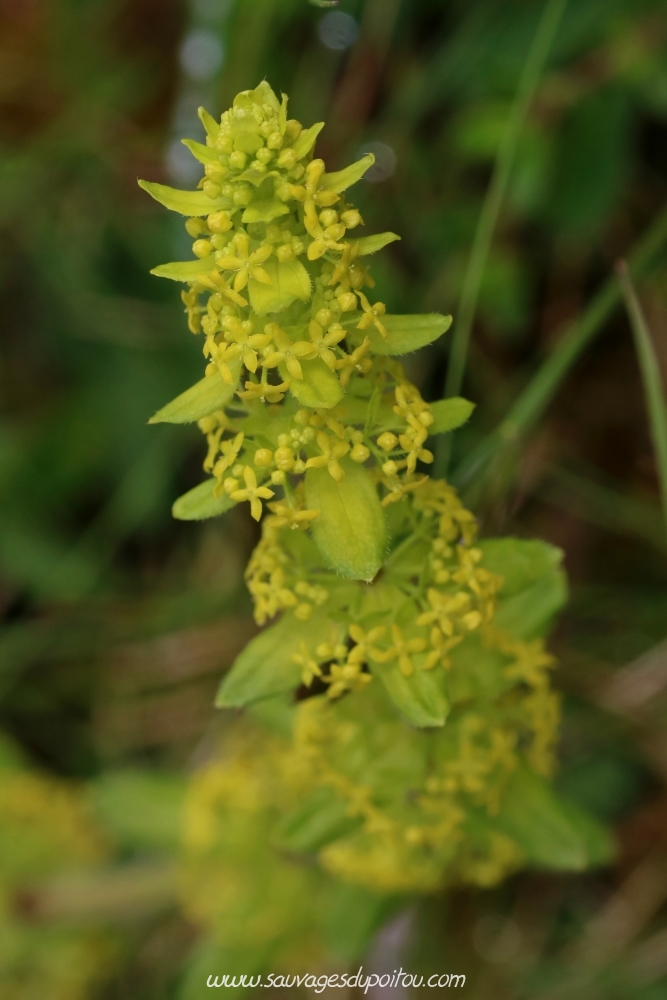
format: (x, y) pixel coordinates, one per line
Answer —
(117, 621)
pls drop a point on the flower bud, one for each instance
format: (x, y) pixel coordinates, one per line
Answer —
(263, 457)
(194, 227)
(328, 217)
(351, 218)
(387, 441)
(264, 155)
(242, 196)
(285, 253)
(359, 453)
(237, 159)
(347, 301)
(274, 141)
(335, 232)
(211, 189)
(202, 248)
(278, 477)
(287, 159)
(293, 129)
(215, 171)
(390, 468)
(324, 317)
(219, 222)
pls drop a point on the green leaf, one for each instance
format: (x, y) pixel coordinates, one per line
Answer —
(371, 244)
(315, 822)
(351, 531)
(408, 333)
(340, 180)
(449, 414)
(208, 121)
(265, 667)
(195, 203)
(264, 211)
(306, 140)
(319, 387)
(529, 614)
(205, 154)
(551, 832)
(289, 281)
(185, 270)
(420, 697)
(521, 562)
(200, 503)
(534, 586)
(206, 396)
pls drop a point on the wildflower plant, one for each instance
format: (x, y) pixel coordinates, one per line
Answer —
(402, 685)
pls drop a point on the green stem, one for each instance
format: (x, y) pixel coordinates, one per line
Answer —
(539, 392)
(651, 378)
(493, 201)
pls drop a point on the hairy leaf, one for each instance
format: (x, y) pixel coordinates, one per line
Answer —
(408, 333)
(371, 244)
(319, 387)
(206, 396)
(449, 414)
(341, 180)
(265, 667)
(185, 270)
(350, 532)
(200, 503)
(195, 203)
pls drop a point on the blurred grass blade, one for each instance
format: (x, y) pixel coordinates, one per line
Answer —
(654, 390)
(541, 389)
(493, 201)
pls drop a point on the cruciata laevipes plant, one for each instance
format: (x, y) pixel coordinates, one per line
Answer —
(400, 697)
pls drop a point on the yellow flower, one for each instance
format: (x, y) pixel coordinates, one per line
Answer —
(329, 457)
(357, 361)
(246, 264)
(372, 315)
(310, 668)
(288, 352)
(324, 342)
(348, 676)
(264, 391)
(364, 647)
(286, 517)
(253, 493)
(230, 450)
(402, 650)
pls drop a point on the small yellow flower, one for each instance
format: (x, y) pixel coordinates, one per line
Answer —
(357, 361)
(310, 668)
(365, 647)
(289, 518)
(329, 457)
(372, 315)
(324, 342)
(252, 492)
(402, 650)
(246, 264)
(265, 391)
(230, 450)
(289, 352)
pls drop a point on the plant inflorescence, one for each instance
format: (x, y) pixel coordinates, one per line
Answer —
(416, 749)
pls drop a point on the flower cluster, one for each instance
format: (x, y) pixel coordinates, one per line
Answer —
(410, 681)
